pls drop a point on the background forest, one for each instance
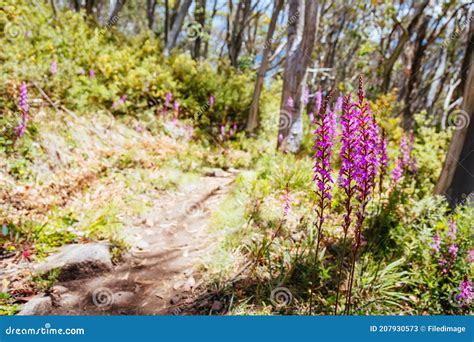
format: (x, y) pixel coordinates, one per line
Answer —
(236, 157)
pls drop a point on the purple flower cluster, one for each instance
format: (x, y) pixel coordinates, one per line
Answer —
(24, 108)
(465, 291)
(349, 145)
(362, 153)
(168, 97)
(436, 246)
(120, 102)
(367, 158)
(287, 200)
(323, 143)
(54, 68)
(225, 133)
(406, 161)
(470, 256)
(447, 259)
(176, 107)
(397, 171)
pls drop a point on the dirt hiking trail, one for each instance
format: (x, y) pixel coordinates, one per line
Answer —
(159, 272)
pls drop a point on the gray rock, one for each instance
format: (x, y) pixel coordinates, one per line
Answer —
(215, 173)
(38, 305)
(78, 261)
(69, 300)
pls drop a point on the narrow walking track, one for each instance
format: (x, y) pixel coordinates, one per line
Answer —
(159, 271)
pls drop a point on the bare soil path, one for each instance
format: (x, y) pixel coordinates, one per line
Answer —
(160, 270)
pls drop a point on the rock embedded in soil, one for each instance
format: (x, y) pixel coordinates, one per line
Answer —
(38, 305)
(78, 261)
(216, 173)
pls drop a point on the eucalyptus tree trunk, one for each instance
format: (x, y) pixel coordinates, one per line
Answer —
(117, 8)
(302, 23)
(89, 7)
(177, 25)
(404, 38)
(236, 23)
(252, 121)
(200, 17)
(150, 13)
(457, 177)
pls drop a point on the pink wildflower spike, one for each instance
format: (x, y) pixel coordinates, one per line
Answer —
(176, 107)
(168, 98)
(470, 256)
(453, 250)
(54, 67)
(211, 101)
(452, 229)
(465, 291)
(24, 108)
(323, 143)
(405, 151)
(287, 200)
(397, 171)
(311, 117)
(91, 74)
(280, 137)
(436, 243)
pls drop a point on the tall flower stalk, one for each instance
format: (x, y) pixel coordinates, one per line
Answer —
(363, 156)
(348, 156)
(24, 108)
(323, 143)
(366, 171)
